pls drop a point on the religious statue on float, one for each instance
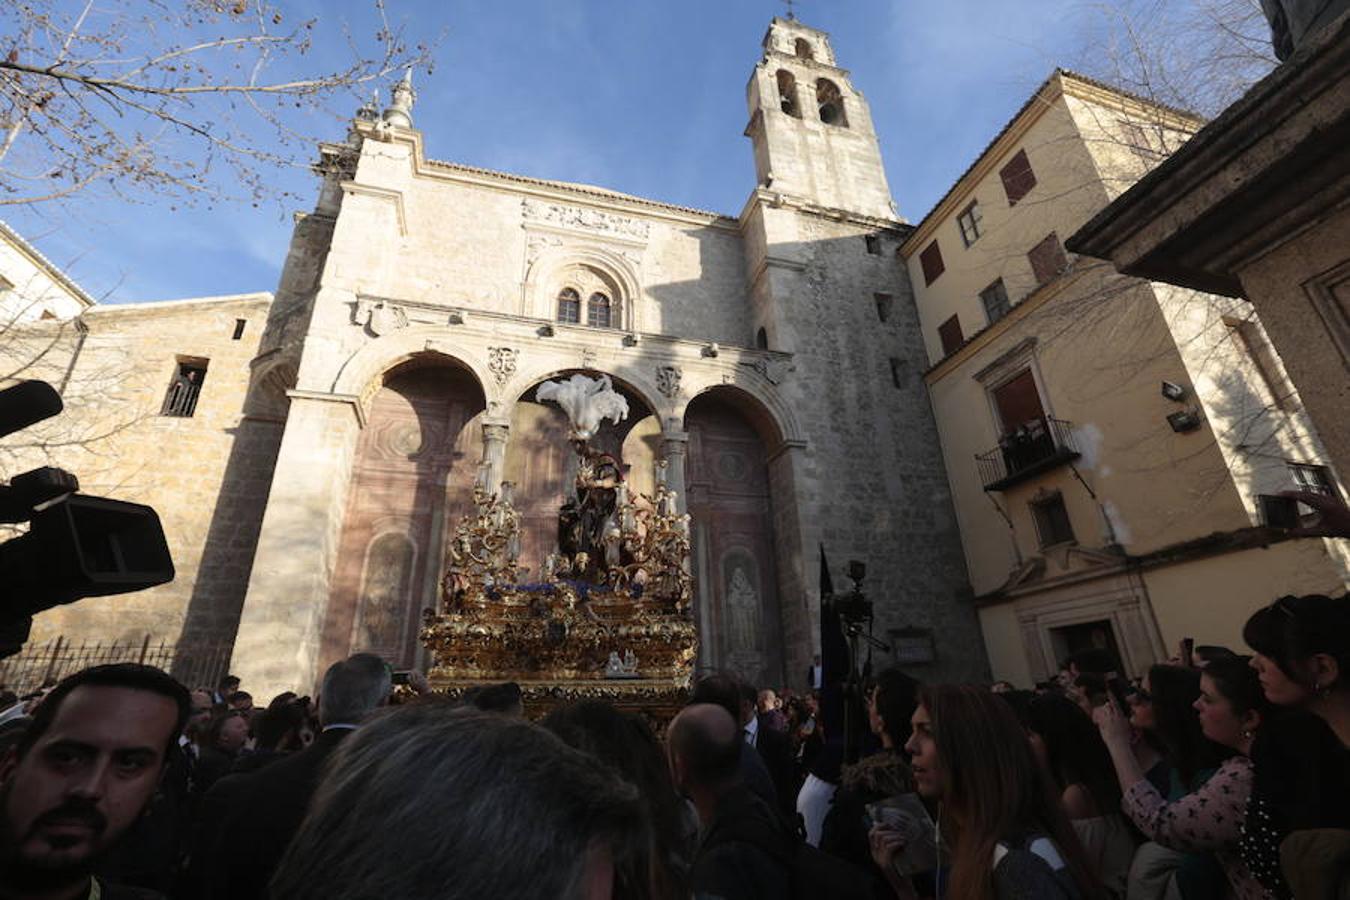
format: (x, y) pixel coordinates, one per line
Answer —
(608, 615)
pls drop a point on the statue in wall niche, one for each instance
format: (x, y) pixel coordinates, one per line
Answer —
(742, 605)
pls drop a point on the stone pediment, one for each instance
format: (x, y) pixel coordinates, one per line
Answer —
(1060, 561)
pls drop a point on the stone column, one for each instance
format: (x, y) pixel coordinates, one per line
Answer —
(674, 450)
(280, 629)
(494, 453)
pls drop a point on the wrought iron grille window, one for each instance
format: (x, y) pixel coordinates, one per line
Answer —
(186, 387)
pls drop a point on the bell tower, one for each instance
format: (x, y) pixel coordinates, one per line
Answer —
(811, 129)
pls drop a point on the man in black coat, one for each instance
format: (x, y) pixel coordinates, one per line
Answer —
(774, 747)
(243, 836)
(747, 850)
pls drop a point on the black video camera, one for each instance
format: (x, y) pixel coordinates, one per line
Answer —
(76, 546)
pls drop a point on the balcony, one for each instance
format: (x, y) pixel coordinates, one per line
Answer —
(1036, 447)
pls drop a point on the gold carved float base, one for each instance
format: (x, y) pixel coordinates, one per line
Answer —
(656, 700)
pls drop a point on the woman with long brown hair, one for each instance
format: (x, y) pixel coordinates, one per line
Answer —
(998, 812)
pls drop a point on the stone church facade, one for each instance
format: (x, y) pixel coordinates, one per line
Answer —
(772, 359)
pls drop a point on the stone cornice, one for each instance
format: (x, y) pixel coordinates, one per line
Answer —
(19, 243)
(767, 197)
(1060, 83)
(571, 336)
(1279, 148)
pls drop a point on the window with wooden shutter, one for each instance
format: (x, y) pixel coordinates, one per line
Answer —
(931, 261)
(1018, 179)
(1048, 259)
(1018, 402)
(950, 333)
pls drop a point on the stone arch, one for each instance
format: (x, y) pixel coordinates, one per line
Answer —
(802, 48)
(268, 396)
(540, 460)
(772, 417)
(362, 374)
(830, 103)
(543, 281)
(413, 468)
(733, 498)
(787, 94)
(626, 379)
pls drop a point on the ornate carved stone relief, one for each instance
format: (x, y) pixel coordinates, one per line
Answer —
(668, 380)
(581, 219)
(379, 317)
(537, 244)
(502, 363)
(589, 358)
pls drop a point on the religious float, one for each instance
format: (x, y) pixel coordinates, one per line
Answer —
(608, 615)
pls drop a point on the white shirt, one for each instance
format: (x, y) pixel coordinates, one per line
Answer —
(752, 731)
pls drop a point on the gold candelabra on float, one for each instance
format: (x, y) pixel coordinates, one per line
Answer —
(613, 622)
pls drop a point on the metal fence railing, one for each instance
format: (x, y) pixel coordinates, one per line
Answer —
(198, 664)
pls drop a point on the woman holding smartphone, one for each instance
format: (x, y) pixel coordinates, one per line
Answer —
(1213, 815)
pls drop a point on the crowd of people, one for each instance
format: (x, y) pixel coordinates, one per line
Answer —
(1222, 773)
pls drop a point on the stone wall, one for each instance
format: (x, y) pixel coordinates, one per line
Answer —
(869, 483)
(207, 474)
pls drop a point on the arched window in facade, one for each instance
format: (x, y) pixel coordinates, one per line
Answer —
(787, 94)
(803, 48)
(831, 103)
(569, 306)
(599, 311)
(762, 340)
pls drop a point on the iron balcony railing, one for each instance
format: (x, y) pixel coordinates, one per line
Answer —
(1027, 451)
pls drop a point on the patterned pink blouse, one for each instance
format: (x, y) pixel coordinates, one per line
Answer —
(1208, 820)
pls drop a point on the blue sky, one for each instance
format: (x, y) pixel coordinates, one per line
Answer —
(640, 96)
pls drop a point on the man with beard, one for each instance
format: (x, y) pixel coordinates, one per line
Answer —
(81, 777)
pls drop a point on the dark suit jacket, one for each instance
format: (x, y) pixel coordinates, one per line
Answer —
(257, 819)
(775, 748)
(746, 852)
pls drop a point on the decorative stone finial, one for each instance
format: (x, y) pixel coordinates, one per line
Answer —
(401, 101)
(370, 110)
